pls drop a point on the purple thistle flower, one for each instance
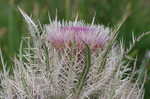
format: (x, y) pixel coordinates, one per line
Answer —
(40, 72)
(65, 35)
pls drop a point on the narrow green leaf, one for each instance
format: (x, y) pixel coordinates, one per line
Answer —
(85, 70)
(112, 41)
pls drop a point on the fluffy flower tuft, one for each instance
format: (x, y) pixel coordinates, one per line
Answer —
(63, 35)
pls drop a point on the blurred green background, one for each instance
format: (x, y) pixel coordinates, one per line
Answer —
(107, 12)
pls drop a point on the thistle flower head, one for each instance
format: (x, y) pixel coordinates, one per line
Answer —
(63, 35)
(39, 72)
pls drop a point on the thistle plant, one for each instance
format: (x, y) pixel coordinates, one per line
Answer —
(70, 60)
